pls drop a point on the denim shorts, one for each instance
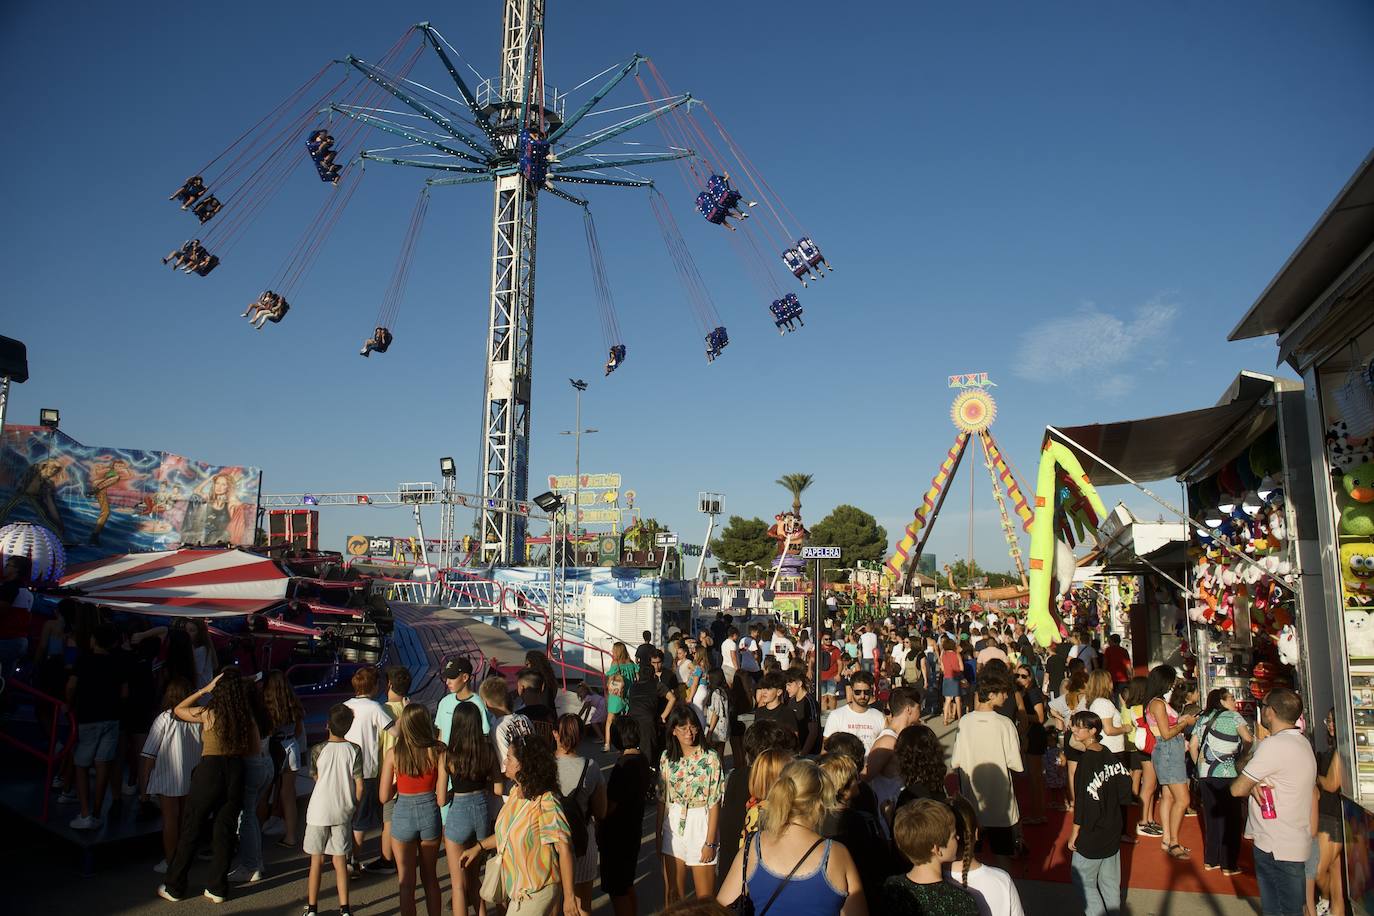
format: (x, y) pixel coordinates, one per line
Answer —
(1170, 766)
(416, 818)
(96, 742)
(467, 818)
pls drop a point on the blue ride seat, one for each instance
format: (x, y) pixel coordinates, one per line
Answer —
(617, 357)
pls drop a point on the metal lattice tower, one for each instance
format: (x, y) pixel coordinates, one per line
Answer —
(501, 111)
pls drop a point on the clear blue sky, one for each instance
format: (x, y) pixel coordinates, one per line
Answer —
(1079, 198)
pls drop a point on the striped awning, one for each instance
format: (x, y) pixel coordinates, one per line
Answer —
(182, 583)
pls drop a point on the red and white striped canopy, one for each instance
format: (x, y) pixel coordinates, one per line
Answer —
(182, 583)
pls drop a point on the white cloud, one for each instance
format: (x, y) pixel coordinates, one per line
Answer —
(1093, 343)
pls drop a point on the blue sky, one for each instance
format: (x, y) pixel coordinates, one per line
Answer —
(1079, 198)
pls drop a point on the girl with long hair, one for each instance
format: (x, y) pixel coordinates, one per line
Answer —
(288, 745)
(229, 732)
(619, 676)
(533, 843)
(717, 712)
(1218, 740)
(1070, 700)
(697, 690)
(921, 767)
(580, 778)
(824, 880)
(257, 776)
(952, 672)
(1330, 832)
(1171, 770)
(472, 769)
(993, 887)
(1143, 782)
(168, 757)
(410, 774)
(692, 783)
(766, 769)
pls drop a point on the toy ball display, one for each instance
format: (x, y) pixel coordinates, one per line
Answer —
(41, 546)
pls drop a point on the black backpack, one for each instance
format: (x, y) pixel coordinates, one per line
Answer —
(576, 817)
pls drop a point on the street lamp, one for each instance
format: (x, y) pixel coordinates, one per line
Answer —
(710, 504)
(577, 432)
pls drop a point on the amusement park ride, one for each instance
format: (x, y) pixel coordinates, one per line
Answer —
(516, 133)
(973, 413)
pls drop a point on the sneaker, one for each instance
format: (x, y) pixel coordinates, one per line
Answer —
(67, 797)
(310, 910)
(1190, 813)
(161, 867)
(84, 822)
(380, 864)
(168, 895)
(275, 826)
(213, 897)
(355, 868)
(1148, 829)
(57, 782)
(242, 875)
(129, 790)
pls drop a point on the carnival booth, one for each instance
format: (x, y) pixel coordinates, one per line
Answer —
(1243, 468)
(1321, 307)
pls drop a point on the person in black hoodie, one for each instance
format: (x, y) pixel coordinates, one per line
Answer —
(1101, 792)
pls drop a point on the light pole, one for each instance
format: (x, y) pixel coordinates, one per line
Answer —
(710, 504)
(577, 432)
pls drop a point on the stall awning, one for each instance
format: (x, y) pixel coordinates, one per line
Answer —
(1343, 232)
(1161, 448)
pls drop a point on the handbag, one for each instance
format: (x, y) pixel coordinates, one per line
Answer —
(493, 891)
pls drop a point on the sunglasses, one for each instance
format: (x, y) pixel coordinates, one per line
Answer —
(863, 693)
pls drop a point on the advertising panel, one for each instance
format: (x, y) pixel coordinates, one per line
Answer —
(104, 501)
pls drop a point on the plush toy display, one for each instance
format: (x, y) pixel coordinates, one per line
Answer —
(1345, 450)
(1288, 645)
(1359, 633)
(1357, 569)
(1357, 510)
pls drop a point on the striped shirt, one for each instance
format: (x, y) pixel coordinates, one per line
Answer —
(530, 830)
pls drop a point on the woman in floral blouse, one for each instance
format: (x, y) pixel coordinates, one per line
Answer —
(692, 783)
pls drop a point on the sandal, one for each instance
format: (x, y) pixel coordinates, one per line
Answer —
(1179, 852)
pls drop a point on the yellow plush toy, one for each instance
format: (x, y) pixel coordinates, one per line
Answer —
(1357, 568)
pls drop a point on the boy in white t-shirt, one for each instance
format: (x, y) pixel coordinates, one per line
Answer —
(337, 766)
(857, 717)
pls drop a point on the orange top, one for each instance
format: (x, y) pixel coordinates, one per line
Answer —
(417, 785)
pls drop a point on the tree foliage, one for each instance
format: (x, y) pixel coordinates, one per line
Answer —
(744, 540)
(962, 577)
(854, 531)
(795, 484)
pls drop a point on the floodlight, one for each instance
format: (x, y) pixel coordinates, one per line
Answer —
(550, 502)
(447, 467)
(49, 417)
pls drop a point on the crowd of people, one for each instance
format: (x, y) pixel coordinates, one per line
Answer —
(756, 789)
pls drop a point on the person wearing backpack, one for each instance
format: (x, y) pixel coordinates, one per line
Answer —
(583, 792)
(1219, 739)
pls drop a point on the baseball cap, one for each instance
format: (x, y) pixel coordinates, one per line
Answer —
(456, 666)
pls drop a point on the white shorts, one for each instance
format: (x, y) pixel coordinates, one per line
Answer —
(684, 841)
(334, 840)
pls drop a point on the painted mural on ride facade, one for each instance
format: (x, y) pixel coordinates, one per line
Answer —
(104, 501)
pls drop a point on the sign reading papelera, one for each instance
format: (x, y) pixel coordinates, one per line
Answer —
(820, 553)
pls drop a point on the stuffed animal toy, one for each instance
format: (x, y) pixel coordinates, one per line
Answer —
(1357, 568)
(1288, 645)
(1345, 450)
(1357, 513)
(1359, 634)
(1265, 458)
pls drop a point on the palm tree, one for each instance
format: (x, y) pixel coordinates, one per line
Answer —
(794, 484)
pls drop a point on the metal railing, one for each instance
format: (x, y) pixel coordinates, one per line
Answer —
(53, 755)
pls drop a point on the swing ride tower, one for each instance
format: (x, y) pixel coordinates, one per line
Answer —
(510, 322)
(507, 112)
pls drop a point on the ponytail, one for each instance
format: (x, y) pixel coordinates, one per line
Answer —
(965, 831)
(796, 796)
